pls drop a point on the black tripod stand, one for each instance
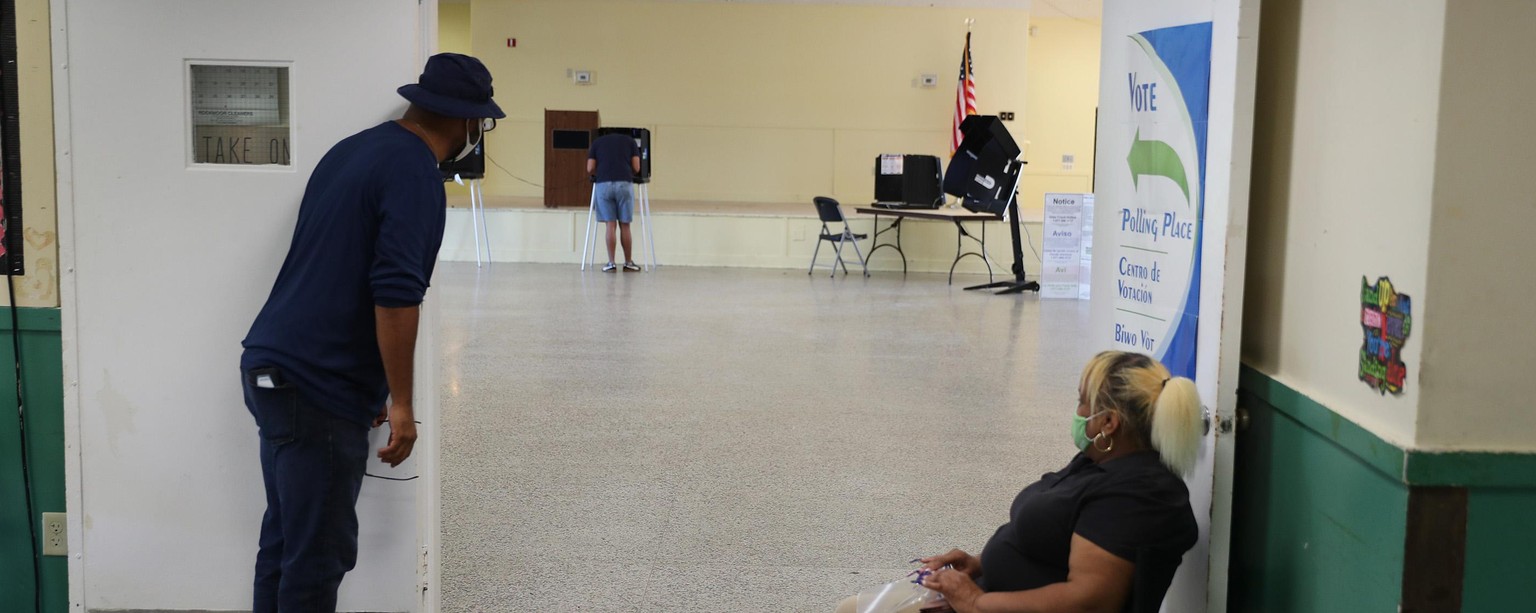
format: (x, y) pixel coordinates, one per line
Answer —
(1019, 284)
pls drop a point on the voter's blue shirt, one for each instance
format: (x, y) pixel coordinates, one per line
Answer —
(614, 153)
(368, 233)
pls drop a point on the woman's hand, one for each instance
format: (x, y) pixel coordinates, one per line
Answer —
(959, 560)
(957, 587)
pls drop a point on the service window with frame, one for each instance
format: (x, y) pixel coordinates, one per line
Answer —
(239, 114)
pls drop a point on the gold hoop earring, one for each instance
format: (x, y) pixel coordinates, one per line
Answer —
(1108, 449)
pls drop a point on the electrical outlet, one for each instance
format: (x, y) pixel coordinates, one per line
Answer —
(55, 534)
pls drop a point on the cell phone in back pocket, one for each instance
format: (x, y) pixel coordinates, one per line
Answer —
(267, 377)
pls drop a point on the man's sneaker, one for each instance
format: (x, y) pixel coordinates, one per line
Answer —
(610, 267)
(631, 267)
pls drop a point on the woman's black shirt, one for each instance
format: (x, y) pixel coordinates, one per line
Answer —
(1132, 506)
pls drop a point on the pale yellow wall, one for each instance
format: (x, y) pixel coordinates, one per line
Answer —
(1344, 163)
(453, 36)
(40, 286)
(1479, 346)
(453, 28)
(1062, 75)
(748, 102)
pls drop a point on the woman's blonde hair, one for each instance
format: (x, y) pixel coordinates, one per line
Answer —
(1160, 410)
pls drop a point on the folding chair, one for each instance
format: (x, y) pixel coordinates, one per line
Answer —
(832, 212)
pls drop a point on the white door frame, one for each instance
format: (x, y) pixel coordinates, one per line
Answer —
(429, 505)
(63, 148)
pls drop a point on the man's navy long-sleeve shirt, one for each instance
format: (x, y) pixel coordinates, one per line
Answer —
(368, 233)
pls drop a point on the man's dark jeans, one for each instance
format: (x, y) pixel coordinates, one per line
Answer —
(312, 463)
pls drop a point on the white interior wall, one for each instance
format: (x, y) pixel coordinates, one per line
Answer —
(1484, 207)
(165, 268)
(1344, 166)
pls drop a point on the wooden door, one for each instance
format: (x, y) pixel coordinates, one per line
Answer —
(567, 134)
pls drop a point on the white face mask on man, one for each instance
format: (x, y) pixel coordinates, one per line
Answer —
(471, 139)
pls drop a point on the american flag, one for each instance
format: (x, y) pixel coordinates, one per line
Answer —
(965, 95)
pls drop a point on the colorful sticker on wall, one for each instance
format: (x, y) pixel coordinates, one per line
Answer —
(1387, 319)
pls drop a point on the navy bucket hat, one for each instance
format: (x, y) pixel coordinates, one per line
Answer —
(454, 85)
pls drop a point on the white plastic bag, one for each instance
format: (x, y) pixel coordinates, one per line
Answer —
(900, 597)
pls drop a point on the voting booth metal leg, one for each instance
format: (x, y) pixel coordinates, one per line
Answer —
(586, 245)
(474, 222)
(637, 194)
(485, 226)
(647, 229)
(477, 222)
(642, 200)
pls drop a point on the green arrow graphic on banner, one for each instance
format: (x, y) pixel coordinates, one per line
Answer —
(1158, 159)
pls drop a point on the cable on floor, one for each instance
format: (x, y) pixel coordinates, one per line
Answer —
(26, 470)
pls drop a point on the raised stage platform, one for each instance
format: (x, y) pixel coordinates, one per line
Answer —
(728, 234)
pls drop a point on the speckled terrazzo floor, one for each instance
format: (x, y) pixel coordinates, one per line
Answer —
(722, 440)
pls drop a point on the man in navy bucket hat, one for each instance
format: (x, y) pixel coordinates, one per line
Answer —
(331, 353)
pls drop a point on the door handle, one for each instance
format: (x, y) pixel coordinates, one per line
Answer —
(1224, 425)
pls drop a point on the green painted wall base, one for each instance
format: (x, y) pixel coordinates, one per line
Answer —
(1315, 527)
(1321, 516)
(1320, 505)
(1501, 549)
(43, 388)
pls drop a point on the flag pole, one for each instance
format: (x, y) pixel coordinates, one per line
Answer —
(965, 73)
(968, 23)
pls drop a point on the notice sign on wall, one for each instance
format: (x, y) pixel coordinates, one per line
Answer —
(236, 95)
(1153, 243)
(239, 114)
(1085, 258)
(1062, 245)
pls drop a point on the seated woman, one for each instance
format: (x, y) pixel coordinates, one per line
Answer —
(1075, 538)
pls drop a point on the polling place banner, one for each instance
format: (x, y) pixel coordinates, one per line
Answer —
(1153, 242)
(1170, 201)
